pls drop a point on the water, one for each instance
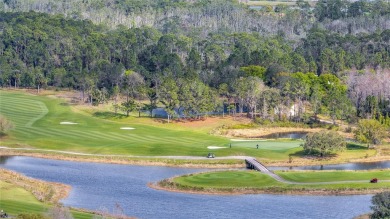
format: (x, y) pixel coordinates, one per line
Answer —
(102, 186)
(293, 135)
(346, 166)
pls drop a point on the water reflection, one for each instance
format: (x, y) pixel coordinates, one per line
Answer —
(3, 159)
(292, 135)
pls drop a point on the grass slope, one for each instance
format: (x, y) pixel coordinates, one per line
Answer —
(37, 120)
(15, 200)
(37, 124)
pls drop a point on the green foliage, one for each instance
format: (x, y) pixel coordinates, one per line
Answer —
(370, 131)
(381, 205)
(5, 125)
(254, 71)
(324, 142)
(128, 106)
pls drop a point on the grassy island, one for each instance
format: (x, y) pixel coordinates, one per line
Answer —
(300, 182)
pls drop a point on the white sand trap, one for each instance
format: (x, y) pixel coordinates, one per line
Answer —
(215, 147)
(246, 140)
(68, 123)
(127, 128)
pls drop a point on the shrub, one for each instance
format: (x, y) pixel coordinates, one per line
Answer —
(324, 142)
(381, 205)
(5, 125)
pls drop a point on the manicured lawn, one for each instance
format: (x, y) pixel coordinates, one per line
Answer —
(227, 179)
(252, 180)
(38, 121)
(332, 176)
(15, 200)
(38, 124)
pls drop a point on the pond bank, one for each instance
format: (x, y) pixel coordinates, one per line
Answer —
(173, 161)
(48, 192)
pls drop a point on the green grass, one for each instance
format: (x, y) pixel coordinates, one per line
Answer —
(37, 123)
(227, 179)
(253, 180)
(333, 176)
(37, 120)
(15, 200)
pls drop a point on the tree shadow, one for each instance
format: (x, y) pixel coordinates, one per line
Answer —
(108, 115)
(354, 146)
(313, 155)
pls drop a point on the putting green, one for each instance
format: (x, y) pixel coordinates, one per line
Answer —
(268, 145)
(228, 179)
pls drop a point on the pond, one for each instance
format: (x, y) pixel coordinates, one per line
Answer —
(102, 186)
(345, 166)
(292, 135)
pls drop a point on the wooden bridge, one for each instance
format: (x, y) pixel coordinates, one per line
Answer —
(252, 163)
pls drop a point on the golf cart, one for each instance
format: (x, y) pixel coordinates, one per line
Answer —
(210, 155)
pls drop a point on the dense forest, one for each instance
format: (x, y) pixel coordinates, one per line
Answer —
(201, 55)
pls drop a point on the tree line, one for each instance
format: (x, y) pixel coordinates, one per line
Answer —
(265, 75)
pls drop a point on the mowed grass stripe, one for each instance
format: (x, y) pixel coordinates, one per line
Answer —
(181, 140)
(34, 109)
(132, 137)
(93, 134)
(32, 131)
(110, 135)
(45, 132)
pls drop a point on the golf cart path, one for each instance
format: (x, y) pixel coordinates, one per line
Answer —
(129, 156)
(260, 167)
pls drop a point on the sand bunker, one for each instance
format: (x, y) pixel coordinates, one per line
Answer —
(68, 123)
(127, 128)
(215, 147)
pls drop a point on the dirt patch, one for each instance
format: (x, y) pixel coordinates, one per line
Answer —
(212, 121)
(264, 131)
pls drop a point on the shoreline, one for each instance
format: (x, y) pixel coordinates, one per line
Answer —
(169, 161)
(47, 192)
(233, 192)
(44, 191)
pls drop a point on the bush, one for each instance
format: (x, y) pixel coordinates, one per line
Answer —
(5, 125)
(324, 142)
(381, 205)
(370, 131)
